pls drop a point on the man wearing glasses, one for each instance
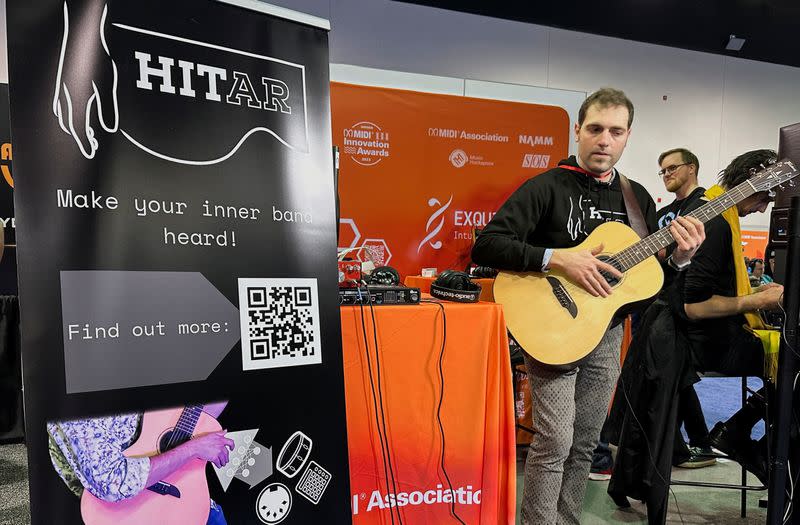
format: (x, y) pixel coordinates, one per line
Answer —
(679, 170)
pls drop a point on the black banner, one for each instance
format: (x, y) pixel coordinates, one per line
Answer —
(181, 339)
(7, 184)
(8, 263)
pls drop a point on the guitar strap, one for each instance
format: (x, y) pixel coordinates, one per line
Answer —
(632, 207)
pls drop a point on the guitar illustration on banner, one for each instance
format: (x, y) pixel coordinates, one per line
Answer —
(576, 320)
(181, 497)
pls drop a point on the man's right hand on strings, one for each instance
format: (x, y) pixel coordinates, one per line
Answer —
(583, 267)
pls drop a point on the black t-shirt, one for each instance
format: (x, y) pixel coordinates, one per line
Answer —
(680, 207)
(712, 272)
(665, 216)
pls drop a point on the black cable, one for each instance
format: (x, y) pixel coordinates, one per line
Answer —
(783, 328)
(647, 442)
(380, 396)
(439, 410)
(788, 509)
(375, 405)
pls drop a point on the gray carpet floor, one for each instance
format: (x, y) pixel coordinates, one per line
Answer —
(694, 506)
(14, 508)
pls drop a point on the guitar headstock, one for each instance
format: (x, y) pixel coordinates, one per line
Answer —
(778, 173)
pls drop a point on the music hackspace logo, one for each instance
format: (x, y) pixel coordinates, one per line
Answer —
(458, 158)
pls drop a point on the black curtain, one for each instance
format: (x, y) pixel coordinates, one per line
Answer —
(11, 424)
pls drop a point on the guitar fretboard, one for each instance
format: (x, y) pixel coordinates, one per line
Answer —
(650, 245)
(184, 428)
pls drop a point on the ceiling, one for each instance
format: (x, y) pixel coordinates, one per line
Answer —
(771, 27)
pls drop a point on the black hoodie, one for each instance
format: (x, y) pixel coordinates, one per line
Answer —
(557, 209)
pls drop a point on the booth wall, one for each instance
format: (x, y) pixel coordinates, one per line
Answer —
(716, 106)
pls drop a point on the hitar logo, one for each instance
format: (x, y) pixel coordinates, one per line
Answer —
(180, 82)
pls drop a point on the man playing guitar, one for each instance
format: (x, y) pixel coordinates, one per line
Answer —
(559, 209)
(88, 455)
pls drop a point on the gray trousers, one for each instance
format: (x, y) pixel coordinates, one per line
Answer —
(568, 412)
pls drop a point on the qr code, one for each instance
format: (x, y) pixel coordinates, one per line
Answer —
(279, 323)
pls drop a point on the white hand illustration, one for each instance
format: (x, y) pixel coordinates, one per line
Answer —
(77, 103)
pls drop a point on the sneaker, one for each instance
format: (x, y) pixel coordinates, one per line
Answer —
(699, 457)
(600, 475)
(721, 439)
(602, 463)
(744, 451)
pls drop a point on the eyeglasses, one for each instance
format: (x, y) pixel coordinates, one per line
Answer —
(671, 169)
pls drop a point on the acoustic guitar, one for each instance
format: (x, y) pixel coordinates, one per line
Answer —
(181, 498)
(558, 323)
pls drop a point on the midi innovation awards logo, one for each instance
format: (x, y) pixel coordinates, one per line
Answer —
(366, 143)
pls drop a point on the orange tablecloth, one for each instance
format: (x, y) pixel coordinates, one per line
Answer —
(476, 413)
(424, 285)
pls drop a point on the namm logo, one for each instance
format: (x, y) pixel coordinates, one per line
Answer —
(179, 99)
(536, 140)
(529, 160)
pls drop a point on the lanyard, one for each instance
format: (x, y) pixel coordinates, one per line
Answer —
(581, 170)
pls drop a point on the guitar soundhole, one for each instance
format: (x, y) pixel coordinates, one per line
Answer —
(165, 443)
(610, 279)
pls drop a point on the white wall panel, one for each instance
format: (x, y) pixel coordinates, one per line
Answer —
(405, 37)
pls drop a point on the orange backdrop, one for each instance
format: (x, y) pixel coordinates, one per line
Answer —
(418, 171)
(476, 413)
(754, 243)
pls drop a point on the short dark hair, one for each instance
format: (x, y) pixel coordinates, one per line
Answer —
(745, 166)
(606, 97)
(687, 156)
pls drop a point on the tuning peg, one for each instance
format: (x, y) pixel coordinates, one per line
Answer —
(780, 187)
(792, 183)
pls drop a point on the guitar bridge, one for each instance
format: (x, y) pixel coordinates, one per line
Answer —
(563, 296)
(165, 489)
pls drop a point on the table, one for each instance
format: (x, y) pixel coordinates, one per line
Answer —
(476, 413)
(424, 285)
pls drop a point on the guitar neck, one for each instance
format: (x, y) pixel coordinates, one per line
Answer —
(650, 245)
(186, 424)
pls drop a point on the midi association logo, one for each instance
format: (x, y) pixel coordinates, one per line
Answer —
(435, 224)
(143, 82)
(441, 495)
(366, 143)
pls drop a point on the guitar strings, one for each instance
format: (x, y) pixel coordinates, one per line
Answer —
(632, 255)
(173, 438)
